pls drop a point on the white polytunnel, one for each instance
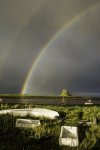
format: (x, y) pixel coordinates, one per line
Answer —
(35, 112)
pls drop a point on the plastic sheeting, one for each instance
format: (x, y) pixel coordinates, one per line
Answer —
(69, 136)
(28, 123)
(37, 112)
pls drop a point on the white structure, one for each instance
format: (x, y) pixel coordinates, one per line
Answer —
(68, 136)
(41, 112)
(28, 123)
(37, 112)
(89, 102)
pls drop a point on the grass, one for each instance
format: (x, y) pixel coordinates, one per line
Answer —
(39, 96)
(47, 135)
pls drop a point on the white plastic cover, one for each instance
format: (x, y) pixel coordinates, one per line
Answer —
(27, 123)
(37, 112)
(68, 136)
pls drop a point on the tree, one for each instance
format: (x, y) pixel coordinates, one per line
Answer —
(64, 93)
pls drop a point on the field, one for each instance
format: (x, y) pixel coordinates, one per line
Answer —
(47, 135)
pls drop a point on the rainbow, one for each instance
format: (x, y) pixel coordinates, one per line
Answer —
(66, 26)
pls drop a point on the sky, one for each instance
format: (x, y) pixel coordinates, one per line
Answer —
(50, 45)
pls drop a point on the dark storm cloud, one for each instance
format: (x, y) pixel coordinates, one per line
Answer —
(72, 60)
(25, 28)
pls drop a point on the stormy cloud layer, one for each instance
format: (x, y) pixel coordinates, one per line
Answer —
(70, 61)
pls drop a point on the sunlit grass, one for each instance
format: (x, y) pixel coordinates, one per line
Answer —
(46, 136)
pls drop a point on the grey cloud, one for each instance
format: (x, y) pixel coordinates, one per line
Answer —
(27, 26)
(71, 61)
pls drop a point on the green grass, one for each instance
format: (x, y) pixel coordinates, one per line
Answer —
(34, 96)
(47, 135)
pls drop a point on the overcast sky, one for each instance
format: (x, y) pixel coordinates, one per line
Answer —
(70, 32)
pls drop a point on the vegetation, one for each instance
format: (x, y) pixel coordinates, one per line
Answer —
(46, 136)
(65, 93)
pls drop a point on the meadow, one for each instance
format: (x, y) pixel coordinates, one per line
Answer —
(46, 136)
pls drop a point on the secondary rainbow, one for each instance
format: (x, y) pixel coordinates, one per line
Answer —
(9, 46)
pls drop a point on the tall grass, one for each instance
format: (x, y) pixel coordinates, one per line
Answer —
(46, 136)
